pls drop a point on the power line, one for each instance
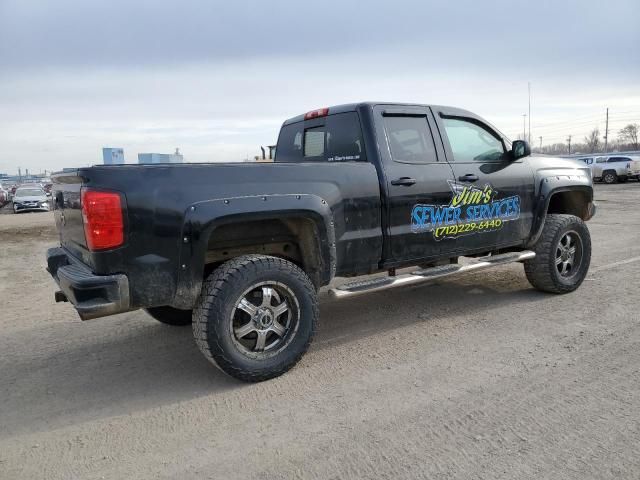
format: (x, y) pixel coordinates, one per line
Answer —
(587, 118)
(581, 124)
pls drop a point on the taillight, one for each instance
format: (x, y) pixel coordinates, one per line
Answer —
(102, 218)
(321, 112)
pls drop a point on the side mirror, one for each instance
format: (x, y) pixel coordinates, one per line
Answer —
(519, 149)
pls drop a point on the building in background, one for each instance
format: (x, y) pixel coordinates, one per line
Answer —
(113, 156)
(161, 157)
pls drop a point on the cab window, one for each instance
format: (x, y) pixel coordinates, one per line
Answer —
(471, 142)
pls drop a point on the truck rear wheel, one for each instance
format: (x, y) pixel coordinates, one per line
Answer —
(256, 317)
(170, 315)
(563, 255)
(610, 177)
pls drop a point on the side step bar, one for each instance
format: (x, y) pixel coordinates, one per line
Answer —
(433, 273)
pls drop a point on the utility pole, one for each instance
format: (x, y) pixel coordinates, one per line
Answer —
(524, 127)
(529, 89)
(606, 132)
(540, 142)
(569, 142)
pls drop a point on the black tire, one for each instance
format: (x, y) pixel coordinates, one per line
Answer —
(222, 315)
(543, 271)
(609, 177)
(170, 315)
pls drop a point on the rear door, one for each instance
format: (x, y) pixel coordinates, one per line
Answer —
(417, 181)
(495, 195)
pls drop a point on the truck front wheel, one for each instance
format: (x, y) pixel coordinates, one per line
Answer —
(563, 255)
(170, 315)
(256, 317)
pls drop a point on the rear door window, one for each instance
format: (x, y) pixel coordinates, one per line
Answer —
(410, 139)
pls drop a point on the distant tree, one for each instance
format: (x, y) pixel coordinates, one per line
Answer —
(554, 149)
(592, 141)
(629, 134)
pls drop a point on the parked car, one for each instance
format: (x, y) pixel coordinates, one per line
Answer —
(615, 168)
(29, 199)
(354, 189)
(4, 195)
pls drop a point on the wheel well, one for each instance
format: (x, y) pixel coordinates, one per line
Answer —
(572, 202)
(294, 239)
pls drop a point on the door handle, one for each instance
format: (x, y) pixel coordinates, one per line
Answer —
(469, 177)
(404, 181)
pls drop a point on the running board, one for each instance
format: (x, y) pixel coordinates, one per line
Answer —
(433, 273)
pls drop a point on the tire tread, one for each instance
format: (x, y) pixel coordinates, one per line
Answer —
(214, 297)
(539, 269)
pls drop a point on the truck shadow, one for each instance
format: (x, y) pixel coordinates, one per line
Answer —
(76, 373)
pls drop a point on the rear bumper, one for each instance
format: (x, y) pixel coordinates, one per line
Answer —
(92, 295)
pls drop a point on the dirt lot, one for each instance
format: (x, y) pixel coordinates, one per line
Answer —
(478, 377)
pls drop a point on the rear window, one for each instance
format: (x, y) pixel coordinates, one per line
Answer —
(338, 138)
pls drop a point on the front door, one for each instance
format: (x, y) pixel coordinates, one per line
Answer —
(418, 183)
(495, 195)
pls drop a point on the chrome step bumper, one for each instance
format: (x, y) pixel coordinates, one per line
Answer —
(419, 276)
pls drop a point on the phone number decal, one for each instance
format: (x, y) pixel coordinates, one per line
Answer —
(459, 229)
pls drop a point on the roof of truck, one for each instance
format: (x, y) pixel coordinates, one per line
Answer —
(351, 107)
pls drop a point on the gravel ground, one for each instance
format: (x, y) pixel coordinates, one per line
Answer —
(475, 377)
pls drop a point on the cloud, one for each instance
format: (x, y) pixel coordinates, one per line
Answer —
(218, 78)
(41, 33)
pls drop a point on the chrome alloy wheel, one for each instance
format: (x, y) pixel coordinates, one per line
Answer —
(265, 319)
(569, 254)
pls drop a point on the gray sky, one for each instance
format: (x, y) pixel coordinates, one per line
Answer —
(217, 78)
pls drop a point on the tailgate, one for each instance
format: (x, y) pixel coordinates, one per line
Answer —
(67, 211)
(635, 167)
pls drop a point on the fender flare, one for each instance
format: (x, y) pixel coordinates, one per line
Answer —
(548, 187)
(202, 218)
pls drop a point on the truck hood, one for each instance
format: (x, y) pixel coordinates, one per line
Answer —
(541, 163)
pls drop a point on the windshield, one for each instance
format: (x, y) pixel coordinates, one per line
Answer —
(29, 192)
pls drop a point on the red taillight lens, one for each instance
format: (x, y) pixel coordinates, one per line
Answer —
(321, 112)
(102, 218)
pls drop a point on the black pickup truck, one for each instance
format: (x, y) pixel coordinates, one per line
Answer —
(239, 250)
